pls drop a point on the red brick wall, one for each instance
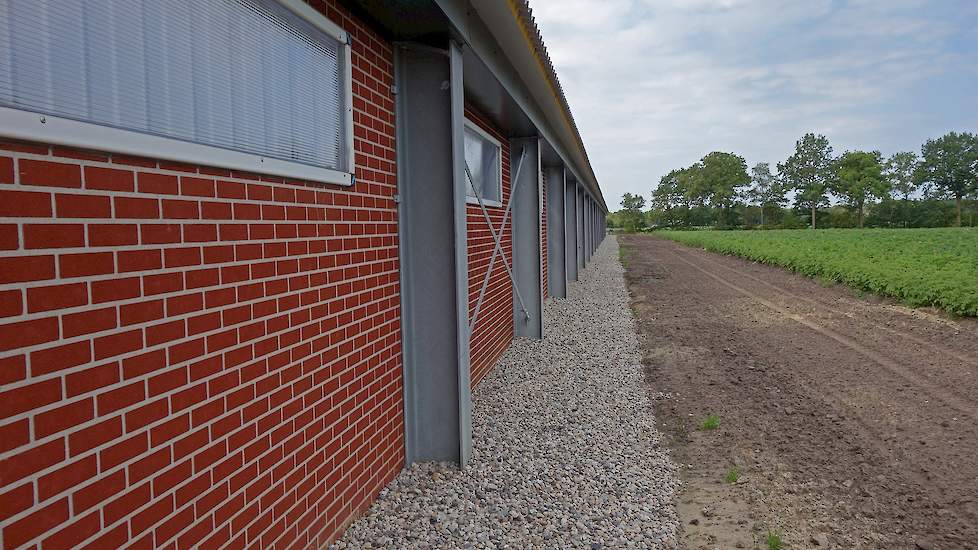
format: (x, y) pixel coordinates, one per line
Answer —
(493, 331)
(193, 356)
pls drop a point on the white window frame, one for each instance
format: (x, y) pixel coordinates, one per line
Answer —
(31, 126)
(469, 199)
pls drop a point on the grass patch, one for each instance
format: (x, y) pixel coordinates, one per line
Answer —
(919, 267)
(624, 255)
(711, 422)
(773, 541)
(733, 475)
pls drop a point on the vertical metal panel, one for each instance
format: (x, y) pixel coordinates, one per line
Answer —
(594, 227)
(556, 268)
(590, 222)
(599, 223)
(587, 228)
(570, 227)
(594, 213)
(461, 255)
(434, 271)
(590, 227)
(540, 236)
(527, 261)
(580, 227)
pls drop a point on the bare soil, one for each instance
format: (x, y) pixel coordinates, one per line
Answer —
(852, 421)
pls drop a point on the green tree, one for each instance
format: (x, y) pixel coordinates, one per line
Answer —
(676, 195)
(808, 171)
(765, 189)
(859, 177)
(719, 177)
(666, 199)
(667, 194)
(695, 190)
(950, 164)
(632, 218)
(899, 171)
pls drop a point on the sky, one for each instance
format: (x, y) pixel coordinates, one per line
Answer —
(656, 84)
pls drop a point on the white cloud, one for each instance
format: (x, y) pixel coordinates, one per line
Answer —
(656, 84)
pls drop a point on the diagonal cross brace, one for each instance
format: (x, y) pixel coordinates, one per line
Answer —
(498, 248)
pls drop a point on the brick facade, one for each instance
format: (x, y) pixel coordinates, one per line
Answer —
(493, 331)
(191, 356)
(198, 357)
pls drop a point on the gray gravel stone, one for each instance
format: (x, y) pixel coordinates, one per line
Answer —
(566, 452)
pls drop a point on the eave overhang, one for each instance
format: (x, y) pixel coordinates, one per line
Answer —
(502, 33)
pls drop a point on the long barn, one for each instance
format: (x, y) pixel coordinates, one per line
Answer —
(255, 255)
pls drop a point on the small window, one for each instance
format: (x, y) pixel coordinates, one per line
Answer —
(256, 85)
(483, 157)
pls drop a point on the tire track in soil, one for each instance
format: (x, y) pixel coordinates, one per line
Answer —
(963, 405)
(957, 376)
(964, 358)
(736, 518)
(955, 333)
(906, 488)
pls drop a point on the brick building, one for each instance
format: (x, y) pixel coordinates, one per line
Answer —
(244, 282)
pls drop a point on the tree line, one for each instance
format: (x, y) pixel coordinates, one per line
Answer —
(856, 188)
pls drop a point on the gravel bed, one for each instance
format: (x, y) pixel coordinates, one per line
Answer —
(566, 452)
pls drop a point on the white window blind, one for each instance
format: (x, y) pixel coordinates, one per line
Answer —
(249, 76)
(483, 157)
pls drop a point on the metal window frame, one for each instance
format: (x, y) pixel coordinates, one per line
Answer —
(323, 23)
(32, 126)
(475, 199)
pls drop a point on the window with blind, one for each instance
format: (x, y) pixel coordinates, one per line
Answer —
(483, 158)
(258, 85)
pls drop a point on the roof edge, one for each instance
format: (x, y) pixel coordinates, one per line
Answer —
(524, 16)
(505, 36)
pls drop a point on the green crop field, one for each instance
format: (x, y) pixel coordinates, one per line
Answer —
(920, 267)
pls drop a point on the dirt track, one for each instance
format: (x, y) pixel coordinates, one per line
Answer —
(853, 421)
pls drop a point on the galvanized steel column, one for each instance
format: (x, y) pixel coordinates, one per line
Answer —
(556, 268)
(527, 253)
(587, 228)
(594, 227)
(570, 227)
(580, 227)
(590, 225)
(434, 268)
